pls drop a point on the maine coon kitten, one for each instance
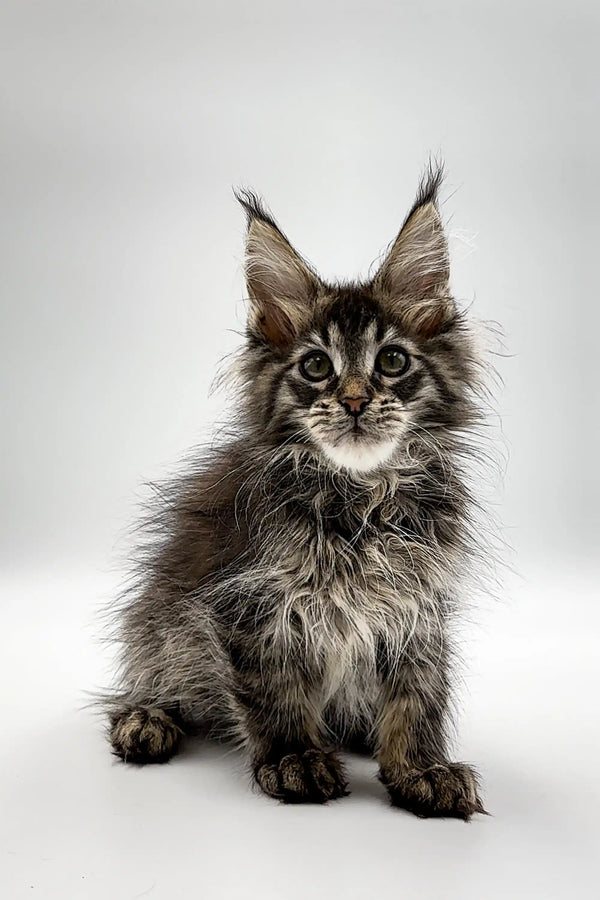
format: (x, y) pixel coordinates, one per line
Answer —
(299, 594)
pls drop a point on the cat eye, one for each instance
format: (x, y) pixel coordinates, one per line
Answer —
(316, 366)
(392, 362)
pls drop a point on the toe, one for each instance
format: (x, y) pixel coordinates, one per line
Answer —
(326, 773)
(268, 779)
(294, 782)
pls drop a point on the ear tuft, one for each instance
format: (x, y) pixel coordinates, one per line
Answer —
(281, 285)
(254, 206)
(429, 186)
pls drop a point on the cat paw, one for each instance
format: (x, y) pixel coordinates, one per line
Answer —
(144, 735)
(310, 777)
(440, 790)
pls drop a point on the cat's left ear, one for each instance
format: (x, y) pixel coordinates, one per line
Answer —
(414, 277)
(282, 287)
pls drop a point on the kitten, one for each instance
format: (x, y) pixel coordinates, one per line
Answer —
(299, 596)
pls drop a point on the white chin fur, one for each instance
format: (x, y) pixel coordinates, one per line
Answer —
(359, 457)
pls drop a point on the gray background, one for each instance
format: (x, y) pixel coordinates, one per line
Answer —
(124, 127)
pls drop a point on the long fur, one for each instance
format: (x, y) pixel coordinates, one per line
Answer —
(298, 587)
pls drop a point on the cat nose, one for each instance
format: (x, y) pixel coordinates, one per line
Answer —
(355, 406)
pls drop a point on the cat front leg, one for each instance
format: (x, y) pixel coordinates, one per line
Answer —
(412, 747)
(289, 759)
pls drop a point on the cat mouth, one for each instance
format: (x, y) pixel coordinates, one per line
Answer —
(356, 434)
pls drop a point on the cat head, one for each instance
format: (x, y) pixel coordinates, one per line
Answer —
(351, 371)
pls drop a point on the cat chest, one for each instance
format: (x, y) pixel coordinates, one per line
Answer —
(336, 607)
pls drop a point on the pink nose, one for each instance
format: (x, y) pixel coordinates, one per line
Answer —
(354, 406)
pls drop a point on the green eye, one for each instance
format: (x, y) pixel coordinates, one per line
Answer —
(316, 366)
(392, 362)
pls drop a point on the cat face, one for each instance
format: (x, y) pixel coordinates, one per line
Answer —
(350, 372)
(356, 382)
(352, 381)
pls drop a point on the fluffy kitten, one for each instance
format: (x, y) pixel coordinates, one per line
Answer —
(298, 597)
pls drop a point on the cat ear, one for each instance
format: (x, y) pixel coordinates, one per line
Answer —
(414, 276)
(282, 287)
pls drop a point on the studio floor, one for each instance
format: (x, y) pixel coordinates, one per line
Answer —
(76, 823)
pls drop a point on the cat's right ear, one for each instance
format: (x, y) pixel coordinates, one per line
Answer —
(282, 287)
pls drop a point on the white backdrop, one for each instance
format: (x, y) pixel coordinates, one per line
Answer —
(124, 127)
